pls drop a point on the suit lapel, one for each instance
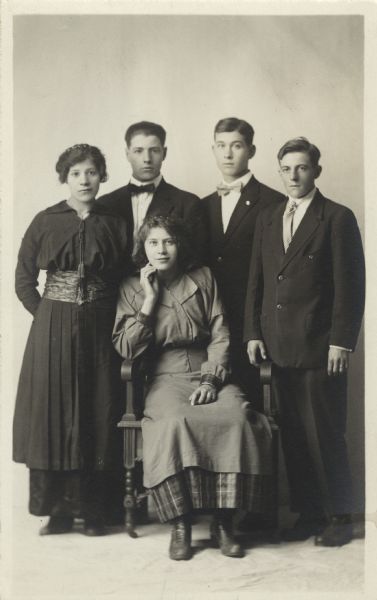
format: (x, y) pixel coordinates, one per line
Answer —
(307, 227)
(247, 202)
(215, 219)
(276, 230)
(127, 203)
(161, 197)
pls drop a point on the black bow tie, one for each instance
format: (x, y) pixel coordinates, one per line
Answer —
(141, 189)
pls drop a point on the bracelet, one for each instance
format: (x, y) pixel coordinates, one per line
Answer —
(209, 379)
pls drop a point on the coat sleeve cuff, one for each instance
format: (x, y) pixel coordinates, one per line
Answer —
(144, 319)
(211, 380)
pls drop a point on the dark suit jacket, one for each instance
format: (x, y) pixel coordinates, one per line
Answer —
(313, 296)
(229, 253)
(167, 200)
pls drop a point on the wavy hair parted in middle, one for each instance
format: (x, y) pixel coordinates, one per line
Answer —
(175, 227)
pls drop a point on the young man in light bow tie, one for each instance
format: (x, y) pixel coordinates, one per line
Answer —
(148, 193)
(304, 308)
(231, 213)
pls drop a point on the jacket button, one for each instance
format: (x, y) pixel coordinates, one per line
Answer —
(280, 277)
(279, 306)
(310, 256)
(219, 258)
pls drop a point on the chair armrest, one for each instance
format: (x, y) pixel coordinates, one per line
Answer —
(266, 372)
(133, 374)
(266, 375)
(133, 369)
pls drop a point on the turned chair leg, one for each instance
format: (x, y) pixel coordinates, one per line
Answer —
(130, 503)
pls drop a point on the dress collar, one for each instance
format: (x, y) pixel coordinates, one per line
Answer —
(63, 207)
(179, 291)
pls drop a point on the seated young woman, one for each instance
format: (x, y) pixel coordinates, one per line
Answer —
(203, 447)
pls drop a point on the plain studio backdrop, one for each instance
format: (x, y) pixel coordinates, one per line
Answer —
(86, 78)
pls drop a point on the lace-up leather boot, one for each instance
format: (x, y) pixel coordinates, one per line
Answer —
(222, 535)
(180, 542)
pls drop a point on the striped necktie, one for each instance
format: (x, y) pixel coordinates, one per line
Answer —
(288, 223)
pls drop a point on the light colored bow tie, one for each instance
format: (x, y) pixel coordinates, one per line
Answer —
(224, 190)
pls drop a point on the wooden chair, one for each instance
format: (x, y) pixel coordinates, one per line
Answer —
(133, 375)
(271, 411)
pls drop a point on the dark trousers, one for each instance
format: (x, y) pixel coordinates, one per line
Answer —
(313, 410)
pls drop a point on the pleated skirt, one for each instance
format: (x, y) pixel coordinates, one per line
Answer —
(68, 398)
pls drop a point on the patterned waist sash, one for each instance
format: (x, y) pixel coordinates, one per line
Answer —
(68, 286)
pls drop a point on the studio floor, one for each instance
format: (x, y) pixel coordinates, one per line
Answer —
(75, 567)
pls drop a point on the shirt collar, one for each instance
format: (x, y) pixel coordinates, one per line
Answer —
(244, 180)
(304, 199)
(156, 181)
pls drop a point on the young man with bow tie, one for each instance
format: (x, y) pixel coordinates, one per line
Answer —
(148, 192)
(304, 308)
(231, 213)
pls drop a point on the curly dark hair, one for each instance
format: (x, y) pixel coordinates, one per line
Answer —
(175, 227)
(76, 154)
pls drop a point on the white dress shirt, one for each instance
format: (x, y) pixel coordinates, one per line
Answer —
(141, 202)
(228, 202)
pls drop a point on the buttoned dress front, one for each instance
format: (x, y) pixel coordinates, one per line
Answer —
(68, 399)
(185, 339)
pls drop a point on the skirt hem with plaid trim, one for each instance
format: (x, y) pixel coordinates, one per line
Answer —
(194, 488)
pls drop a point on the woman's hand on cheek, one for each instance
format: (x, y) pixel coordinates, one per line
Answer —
(204, 394)
(151, 287)
(149, 281)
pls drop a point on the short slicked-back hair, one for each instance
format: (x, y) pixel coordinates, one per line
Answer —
(301, 144)
(234, 124)
(146, 128)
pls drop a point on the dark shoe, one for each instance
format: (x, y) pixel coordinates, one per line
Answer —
(57, 525)
(94, 527)
(222, 535)
(180, 542)
(303, 529)
(338, 532)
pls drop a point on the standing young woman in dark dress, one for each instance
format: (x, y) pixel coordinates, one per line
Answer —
(68, 401)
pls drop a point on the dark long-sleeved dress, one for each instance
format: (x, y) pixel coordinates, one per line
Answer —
(68, 402)
(213, 455)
